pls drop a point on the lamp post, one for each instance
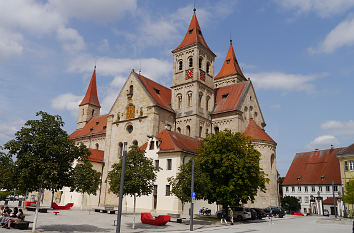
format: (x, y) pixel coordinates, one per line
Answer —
(192, 198)
(121, 190)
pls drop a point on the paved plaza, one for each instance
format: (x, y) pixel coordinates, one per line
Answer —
(89, 221)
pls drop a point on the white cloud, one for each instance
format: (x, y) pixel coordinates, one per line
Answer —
(339, 128)
(8, 129)
(282, 81)
(93, 10)
(10, 44)
(323, 8)
(323, 142)
(342, 35)
(72, 41)
(67, 102)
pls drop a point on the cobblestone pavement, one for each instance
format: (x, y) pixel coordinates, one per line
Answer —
(88, 221)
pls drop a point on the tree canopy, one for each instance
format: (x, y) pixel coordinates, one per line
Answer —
(7, 173)
(85, 179)
(290, 204)
(140, 174)
(44, 154)
(348, 196)
(228, 165)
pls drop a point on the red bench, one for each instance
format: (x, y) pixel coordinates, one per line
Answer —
(65, 207)
(161, 220)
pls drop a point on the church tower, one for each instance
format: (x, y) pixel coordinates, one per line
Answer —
(89, 106)
(230, 72)
(192, 84)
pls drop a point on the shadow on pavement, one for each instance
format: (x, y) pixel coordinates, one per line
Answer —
(145, 226)
(71, 228)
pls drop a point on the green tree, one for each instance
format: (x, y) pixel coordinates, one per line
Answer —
(44, 156)
(348, 196)
(290, 204)
(85, 179)
(7, 173)
(229, 167)
(280, 182)
(140, 175)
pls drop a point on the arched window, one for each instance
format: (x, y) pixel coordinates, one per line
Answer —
(200, 62)
(83, 112)
(180, 65)
(189, 99)
(207, 103)
(179, 101)
(97, 146)
(207, 67)
(200, 99)
(200, 131)
(93, 111)
(207, 132)
(120, 149)
(190, 62)
(216, 129)
(179, 130)
(188, 132)
(135, 143)
(272, 158)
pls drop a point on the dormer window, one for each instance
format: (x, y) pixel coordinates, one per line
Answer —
(299, 178)
(97, 122)
(200, 32)
(224, 96)
(228, 61)
(322, 177)
(157, 91)
(104, 127)
(91, 129)
(190, 31)
(152, 145)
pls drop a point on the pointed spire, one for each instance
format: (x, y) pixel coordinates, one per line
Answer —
(91, 93)
(193, 35)
(230, 66)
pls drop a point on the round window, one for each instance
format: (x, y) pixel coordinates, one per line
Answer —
(130, 128)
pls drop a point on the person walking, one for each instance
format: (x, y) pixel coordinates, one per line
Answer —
(223, 216)
(271, 216)
(231, 215)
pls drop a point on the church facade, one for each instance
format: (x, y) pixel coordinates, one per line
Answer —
(198, 103)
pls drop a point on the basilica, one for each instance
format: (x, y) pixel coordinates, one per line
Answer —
(168, 123)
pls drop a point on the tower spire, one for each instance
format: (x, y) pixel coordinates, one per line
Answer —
(91, 93)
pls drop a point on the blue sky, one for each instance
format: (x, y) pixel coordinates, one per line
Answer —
(298, 53)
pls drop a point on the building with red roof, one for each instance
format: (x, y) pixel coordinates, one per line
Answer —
(198, 103)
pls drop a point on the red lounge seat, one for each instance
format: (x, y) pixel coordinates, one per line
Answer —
(65, 207)
(161, 220)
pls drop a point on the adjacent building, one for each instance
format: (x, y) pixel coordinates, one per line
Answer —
(314, 178)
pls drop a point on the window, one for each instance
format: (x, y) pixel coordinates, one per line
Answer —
(200, 131)
(93, 111)
(152, 145)
(307, 199)
(207, 132)
(130, 128)
(157, 163)
(345, 165)
(157, 91)
(272, 158)
(97, 146)
(227, 61)
(120, 149)
(286, 189)
(200, 62)
(131, 89)
(188, 130)
(189, 99)
(306, 189)
(157, 143)
(168, 190)
(292, 189)
(335, 188)
(180, 65)
(313, 189)
(216, 129)
(83, 112)
(322, 177)
(179, 99)
(327, 188)
(299, 188)
(207, 103)
(351, 165)
(169, 164)
(200, 99)
(320, 188)
(300, 199)
(190, 62)
(190, 31)
(179, 130)
(207, 67)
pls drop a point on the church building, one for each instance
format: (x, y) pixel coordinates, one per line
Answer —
(198, 103)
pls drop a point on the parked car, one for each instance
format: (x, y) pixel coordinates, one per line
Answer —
(260, 213)
(240, 213)
(253, 214)
(276, 211)
(325, 212)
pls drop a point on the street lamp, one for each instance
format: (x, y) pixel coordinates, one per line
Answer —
(119, 216)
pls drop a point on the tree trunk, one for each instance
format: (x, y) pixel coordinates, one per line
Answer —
(37, 210)
(82, 201)
(51, 204)
(134, 212)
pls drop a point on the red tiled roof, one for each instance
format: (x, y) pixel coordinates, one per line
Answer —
(91, 93)
(96, 155)
(309, 167)
(230, 66)
(227, 98)
(96, 125)
(193, 35)
(172, 142)
(347, 150)
(256, 132)
(160, 94)
(328, 201)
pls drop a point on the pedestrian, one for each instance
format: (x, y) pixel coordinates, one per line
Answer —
(223, 216)
(271, 216)
(231, 215)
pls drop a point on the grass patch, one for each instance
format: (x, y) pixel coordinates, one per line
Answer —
(206, 218)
